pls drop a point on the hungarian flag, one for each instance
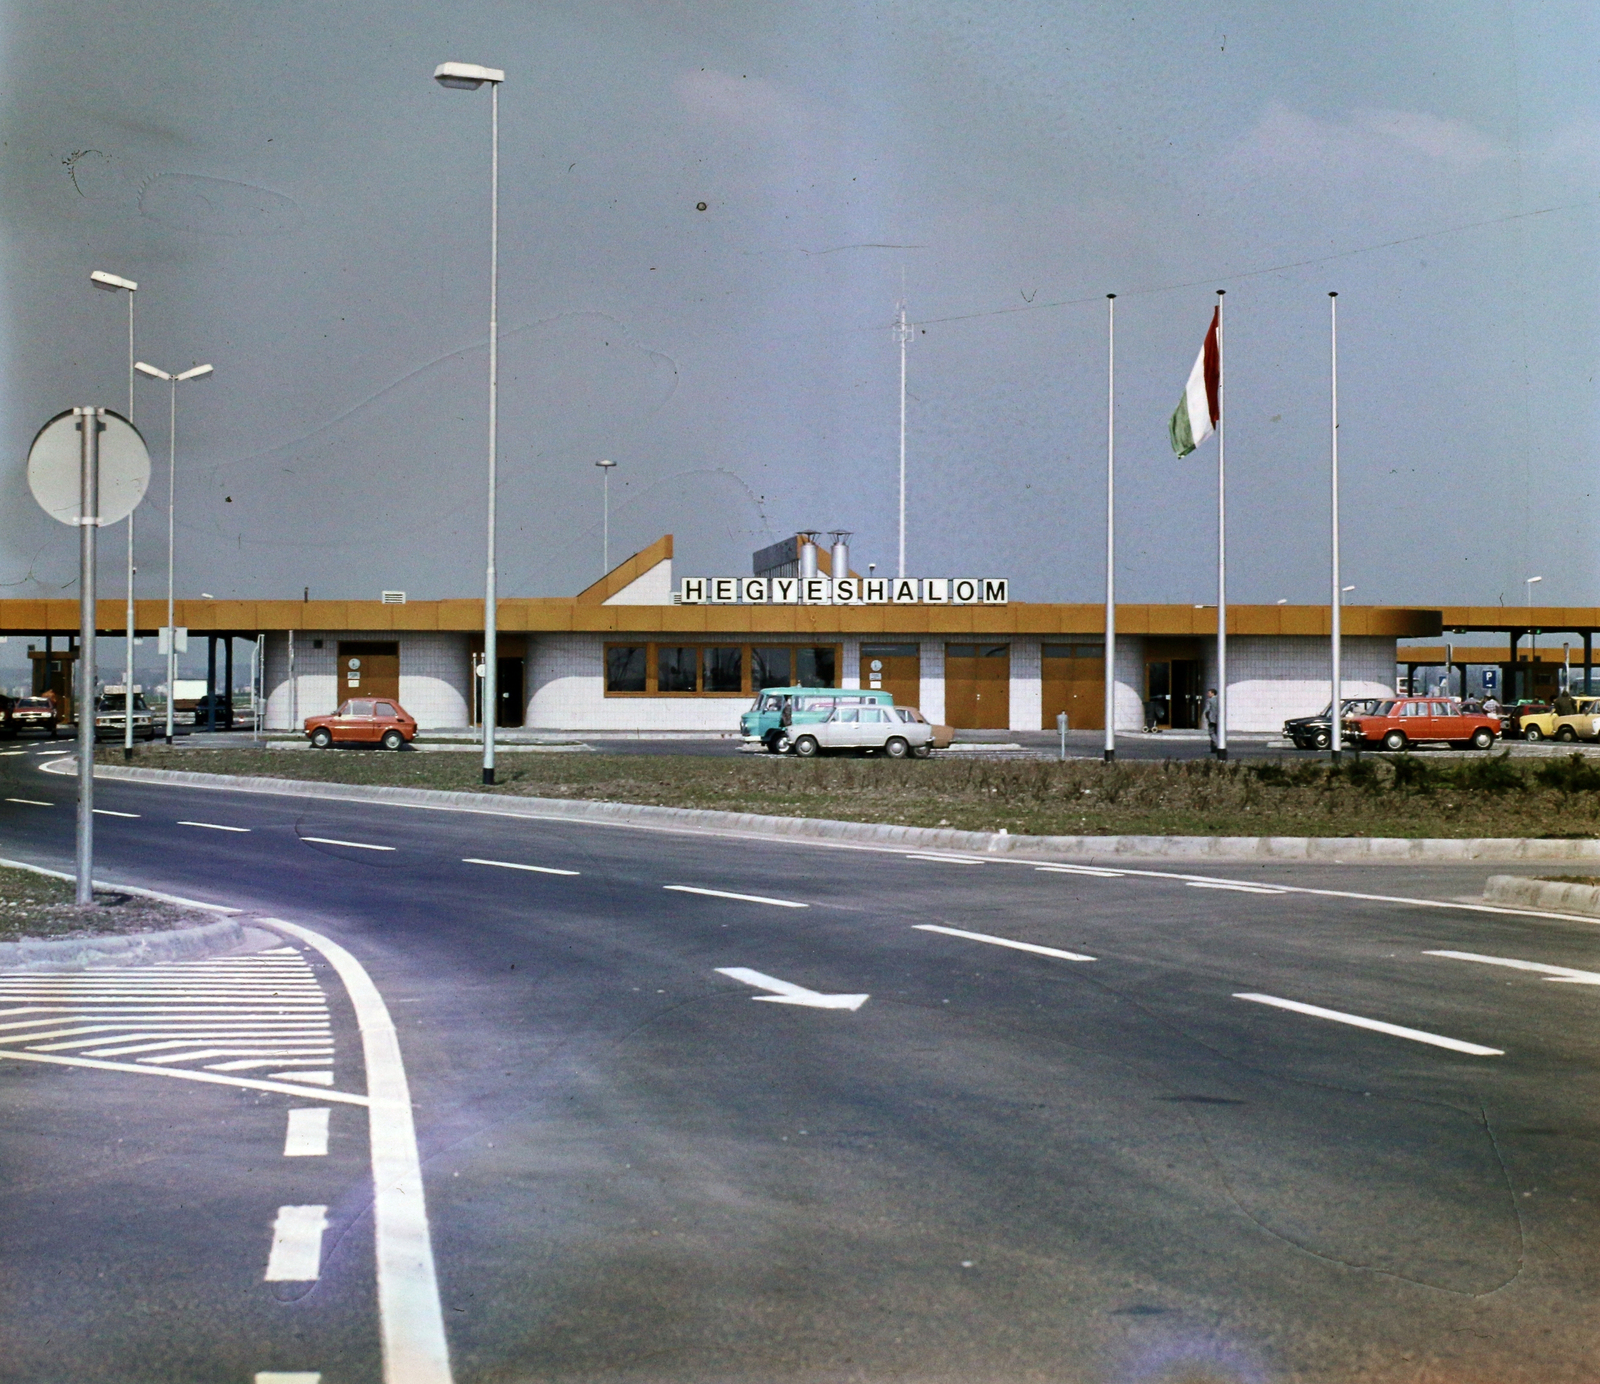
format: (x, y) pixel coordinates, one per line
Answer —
(1195, 418)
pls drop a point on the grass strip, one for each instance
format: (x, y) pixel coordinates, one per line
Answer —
(36, 907)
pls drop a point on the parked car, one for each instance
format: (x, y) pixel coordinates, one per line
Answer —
(1312, 732)
(34, 713)
(862, 729)
(1538, 720)
(364, 721)
(942, 735)
(763, 722)
(1512, 719)
(110, 716)
(202, 710)
(1407, 721)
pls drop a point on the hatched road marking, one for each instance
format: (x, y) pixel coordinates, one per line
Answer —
(307, 1135)
(1416, 1035)
(1003, 942)
(724, 894)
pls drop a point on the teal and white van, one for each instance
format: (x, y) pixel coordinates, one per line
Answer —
(764, 723)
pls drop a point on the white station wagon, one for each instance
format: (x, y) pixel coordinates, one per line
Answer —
(862, 729)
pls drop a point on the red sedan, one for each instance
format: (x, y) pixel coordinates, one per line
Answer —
(364, 721)
(1407, 721)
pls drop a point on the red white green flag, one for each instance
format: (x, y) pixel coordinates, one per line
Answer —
(1195, 418)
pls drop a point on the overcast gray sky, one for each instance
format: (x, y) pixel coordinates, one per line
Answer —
(306, 209)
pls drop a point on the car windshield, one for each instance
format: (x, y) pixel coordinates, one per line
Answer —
(1383, 709)
(34, 704)
(112, 701)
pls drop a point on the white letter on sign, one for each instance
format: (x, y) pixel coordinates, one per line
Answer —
(936, 590)
(724, 590)
(963, 591)
(814, 590)
(905, 589)
(875, 590)
(845, 590)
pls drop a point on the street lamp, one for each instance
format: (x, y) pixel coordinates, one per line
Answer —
(1343, 592)
(1533, 634)
(198, 372)
(115, 283)
(606, 468)
(468, 76)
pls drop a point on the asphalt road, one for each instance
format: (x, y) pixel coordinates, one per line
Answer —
(1095, 1162)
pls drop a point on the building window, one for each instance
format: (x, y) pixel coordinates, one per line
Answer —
(816, 668)
(769, 667)
(724, 670)
(677, 668)
(625, 666)
(1074, 650)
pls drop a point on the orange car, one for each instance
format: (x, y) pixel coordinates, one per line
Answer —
(364, 721)
(1407, 721)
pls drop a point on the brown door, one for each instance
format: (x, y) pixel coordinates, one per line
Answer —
(896, 669)
(1073, 680)
(368, 668)
(977, 686)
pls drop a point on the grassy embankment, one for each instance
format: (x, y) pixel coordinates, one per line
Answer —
(1405, 796)
(40, 906)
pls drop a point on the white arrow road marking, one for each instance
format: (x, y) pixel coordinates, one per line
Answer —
(789, 993)
(1002, 942)
(743, 898)
(512, 865)
(1561, 975)
(354, 845)
(297, 1244)
(307, 1135)
(1376, 1025)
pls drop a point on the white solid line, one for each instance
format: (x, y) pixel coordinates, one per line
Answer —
(212, 826)
(1003, 942)
(307, 1135)
(512, 865)
(248, 1083)
(296, 1255)
(107, 812)
(315, 1078)
(743, 898)
(1559, 974)
(1079, 870)
(354, 845)
(288, 1377)
(946, 859)
(1376, 1025)
(29, 802)
(411, 1318)
(1236, 888)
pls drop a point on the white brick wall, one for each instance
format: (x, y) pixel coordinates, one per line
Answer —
(1271, 678)
(1129, 694)
(1027, 693)
(433, 677)
(850, 674)
(931, 671)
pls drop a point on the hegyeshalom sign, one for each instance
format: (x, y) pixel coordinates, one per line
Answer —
(843, 591)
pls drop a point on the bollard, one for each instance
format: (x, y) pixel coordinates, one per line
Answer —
(1061, 725)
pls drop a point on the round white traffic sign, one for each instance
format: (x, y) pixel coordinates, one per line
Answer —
(55, 457)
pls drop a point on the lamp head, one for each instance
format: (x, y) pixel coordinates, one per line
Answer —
(111, 282)
(607, 465)
(466, 76)
(151, 371)
(199, 372)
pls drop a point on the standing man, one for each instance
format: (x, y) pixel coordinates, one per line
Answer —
(1208, 713)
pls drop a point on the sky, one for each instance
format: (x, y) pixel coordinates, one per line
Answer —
(306, 210)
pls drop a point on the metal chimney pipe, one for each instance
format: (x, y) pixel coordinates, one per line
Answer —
(841, 553)
(808, 556)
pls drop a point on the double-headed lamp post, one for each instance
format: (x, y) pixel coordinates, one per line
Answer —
(197, 373)
(115, 283)
(606, 468)
(469, 76)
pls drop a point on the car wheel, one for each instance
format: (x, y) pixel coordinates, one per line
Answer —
(1319, 741)
(1566, 734)
(1395, 740)
(923, 751)
(1482, 738)
(896, 748)
(806, 747)
(322, 737)
(1532, 733)
(393, 740)
(774, 742)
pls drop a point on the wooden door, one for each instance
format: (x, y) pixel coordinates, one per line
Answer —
(368, 668)
(977, 686)
(896, 669)
(1073, 680)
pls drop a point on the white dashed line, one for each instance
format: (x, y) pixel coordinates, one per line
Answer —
(307, 1135)
(1235, 888)
(212, 826)
(513, 865)
(296, 1255)
(1080, 870)
(1416, 1035)
(743, 898)
(354, 845)
(107, 812)
(29, 802)
(288, 1377)
(1562, 975)
(946, 859)
(1003, 942)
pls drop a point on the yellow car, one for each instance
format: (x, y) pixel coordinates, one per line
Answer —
(1546, 725)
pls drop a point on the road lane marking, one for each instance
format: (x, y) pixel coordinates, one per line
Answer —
(307, 1134)
(513, 865)
(1003, 942)
(6, 754)
(411, 1318)
(1079, 870)
(724, 894)
(1560, 975)
(296, 1255)
(29, 802)
(354, 845)
(946, 859)
(212, 826)
(107, 812)
(1235, 888)
(786, 992)
(246, 1083)
(1376, 1025)
(288, 1377)
(315, 1078)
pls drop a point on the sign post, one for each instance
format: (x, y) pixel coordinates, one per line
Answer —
(87, 467)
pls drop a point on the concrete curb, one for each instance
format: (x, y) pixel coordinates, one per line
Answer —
(1543, 893)
(135, 949)
(1331, 849)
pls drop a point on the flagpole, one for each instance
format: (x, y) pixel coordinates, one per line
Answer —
(1222, 543)
(1336, 703)
(1111, 528)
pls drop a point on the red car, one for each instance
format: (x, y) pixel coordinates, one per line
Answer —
(1407, 721)
(364, 721)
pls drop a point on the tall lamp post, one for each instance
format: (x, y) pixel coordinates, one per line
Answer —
(606, 468)
(198, 372)
(1533, 635)
(115, 283)
(469, 76)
